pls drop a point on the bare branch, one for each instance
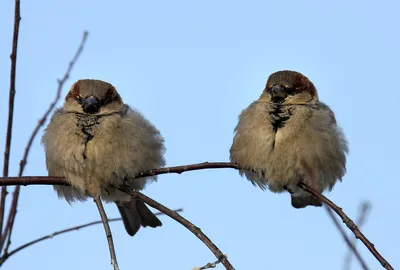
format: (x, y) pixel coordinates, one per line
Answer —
(107, 229)
(13, 56)
(39, 180)
(208, 265)
(33, 180)
(363, 213)
(186, 223)
(349, 223)
(191, 167)
(52, 105)
(54, 180)
(346, 239)
(50, 236)
(13, 211)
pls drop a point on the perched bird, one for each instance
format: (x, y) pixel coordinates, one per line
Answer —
(287, 136)
(97, 142)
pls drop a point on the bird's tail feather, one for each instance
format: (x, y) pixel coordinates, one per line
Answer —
(301, 201)
(135, 214)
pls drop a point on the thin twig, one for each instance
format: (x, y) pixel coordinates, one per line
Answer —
(107, 229)
(8, 255)
(55, 180)
(346, 239)
(208, 265)
(349, 223)
(186, 223)
(43, 180)
(52, 105)
(61, 82)
(75, 228)
(187, 168)
(362, 216)
(33, 180)
(313, 184)
(13, 56)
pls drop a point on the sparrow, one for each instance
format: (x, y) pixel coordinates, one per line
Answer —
(98, 143)
(288, 136)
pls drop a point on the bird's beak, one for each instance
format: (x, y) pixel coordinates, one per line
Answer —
(91, 105)
(278, 92)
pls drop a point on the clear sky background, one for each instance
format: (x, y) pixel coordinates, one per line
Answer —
(191, 67)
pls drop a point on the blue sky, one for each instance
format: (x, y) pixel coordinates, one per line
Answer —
(191, 67)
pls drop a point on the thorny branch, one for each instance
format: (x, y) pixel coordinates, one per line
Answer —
(13, 56)
(75, 228)
(13, 211)
(45, 180)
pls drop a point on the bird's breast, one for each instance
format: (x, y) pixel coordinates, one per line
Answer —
(279, 115)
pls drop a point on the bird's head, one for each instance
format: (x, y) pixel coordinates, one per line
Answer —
(93, 97)
(289, 88)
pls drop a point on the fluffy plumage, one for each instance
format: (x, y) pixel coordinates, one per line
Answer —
(287, 136)
(97, 142)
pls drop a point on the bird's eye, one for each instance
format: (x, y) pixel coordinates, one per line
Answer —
(106, 101)
(79, 99)
(109, 96)
(290, 91)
